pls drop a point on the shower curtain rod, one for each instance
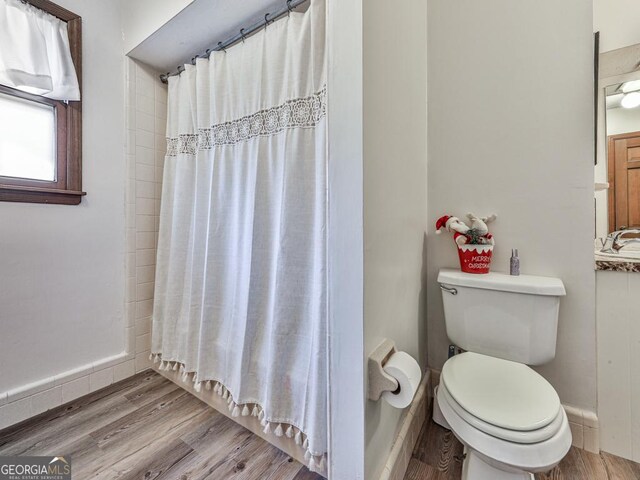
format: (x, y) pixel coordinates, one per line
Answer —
(240, 36)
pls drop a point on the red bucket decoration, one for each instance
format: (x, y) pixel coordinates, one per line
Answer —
(475, 258)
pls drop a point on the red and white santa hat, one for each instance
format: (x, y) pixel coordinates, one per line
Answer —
(442, 223)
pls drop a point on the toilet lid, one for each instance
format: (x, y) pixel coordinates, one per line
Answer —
(507, 394)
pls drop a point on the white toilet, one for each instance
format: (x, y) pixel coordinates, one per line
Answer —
(508, 417)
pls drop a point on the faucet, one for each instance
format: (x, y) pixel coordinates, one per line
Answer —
(615, 242)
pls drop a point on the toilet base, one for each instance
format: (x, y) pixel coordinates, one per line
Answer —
(438, 417)
(474, 467)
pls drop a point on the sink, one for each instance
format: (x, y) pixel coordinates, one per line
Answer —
(628, 253)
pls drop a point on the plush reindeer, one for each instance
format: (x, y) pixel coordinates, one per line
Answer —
(477, 234)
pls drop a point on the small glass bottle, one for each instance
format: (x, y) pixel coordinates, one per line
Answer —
(514, 267)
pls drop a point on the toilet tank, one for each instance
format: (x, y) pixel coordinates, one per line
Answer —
(510, 317)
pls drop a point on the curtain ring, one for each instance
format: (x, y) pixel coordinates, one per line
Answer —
(289, 9)
(221, 47)
(208, 52)
(266, 20)
(242, 36)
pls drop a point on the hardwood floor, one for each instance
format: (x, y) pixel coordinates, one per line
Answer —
(145, 427)
(438, 456)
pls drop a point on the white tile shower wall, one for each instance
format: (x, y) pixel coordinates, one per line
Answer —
(146, 148)
(618, 333)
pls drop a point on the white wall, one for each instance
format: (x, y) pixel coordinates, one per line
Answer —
(619, 363)
(62, 287)
(623, 120)
(601, 198)
(500, 141)
(395, 200)
(141, 18)
(618, 22)
(345, 240)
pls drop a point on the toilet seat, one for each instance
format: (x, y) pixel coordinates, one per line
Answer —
(516, 436)
(501, 396)
(534, 457)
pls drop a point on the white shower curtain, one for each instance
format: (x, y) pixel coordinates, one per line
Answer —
(240, 296)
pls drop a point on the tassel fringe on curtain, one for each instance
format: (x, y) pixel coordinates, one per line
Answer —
(316, 463)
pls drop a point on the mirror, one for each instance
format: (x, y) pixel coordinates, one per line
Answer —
(617, 172)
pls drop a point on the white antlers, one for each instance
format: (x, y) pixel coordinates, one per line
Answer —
(479, 224)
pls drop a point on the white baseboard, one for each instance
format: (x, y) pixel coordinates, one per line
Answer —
(412, 421)
(585, 428)
(34, 398)
(584, 424)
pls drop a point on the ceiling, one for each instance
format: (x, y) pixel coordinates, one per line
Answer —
(201, 25)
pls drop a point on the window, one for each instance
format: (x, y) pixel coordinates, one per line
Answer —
(40, 137)
(27, 140)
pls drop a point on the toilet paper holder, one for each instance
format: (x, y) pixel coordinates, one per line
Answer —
(379, 380)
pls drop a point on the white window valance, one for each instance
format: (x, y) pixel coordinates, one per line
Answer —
(34, 52)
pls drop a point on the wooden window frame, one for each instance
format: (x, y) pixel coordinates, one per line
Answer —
(66, 189)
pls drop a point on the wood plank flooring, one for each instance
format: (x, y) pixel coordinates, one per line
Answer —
(145, 427)
(438, 456)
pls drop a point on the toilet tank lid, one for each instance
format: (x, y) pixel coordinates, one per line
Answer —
(530, 284)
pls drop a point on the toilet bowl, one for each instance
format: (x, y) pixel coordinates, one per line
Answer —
(508, 417)
(511, 426)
